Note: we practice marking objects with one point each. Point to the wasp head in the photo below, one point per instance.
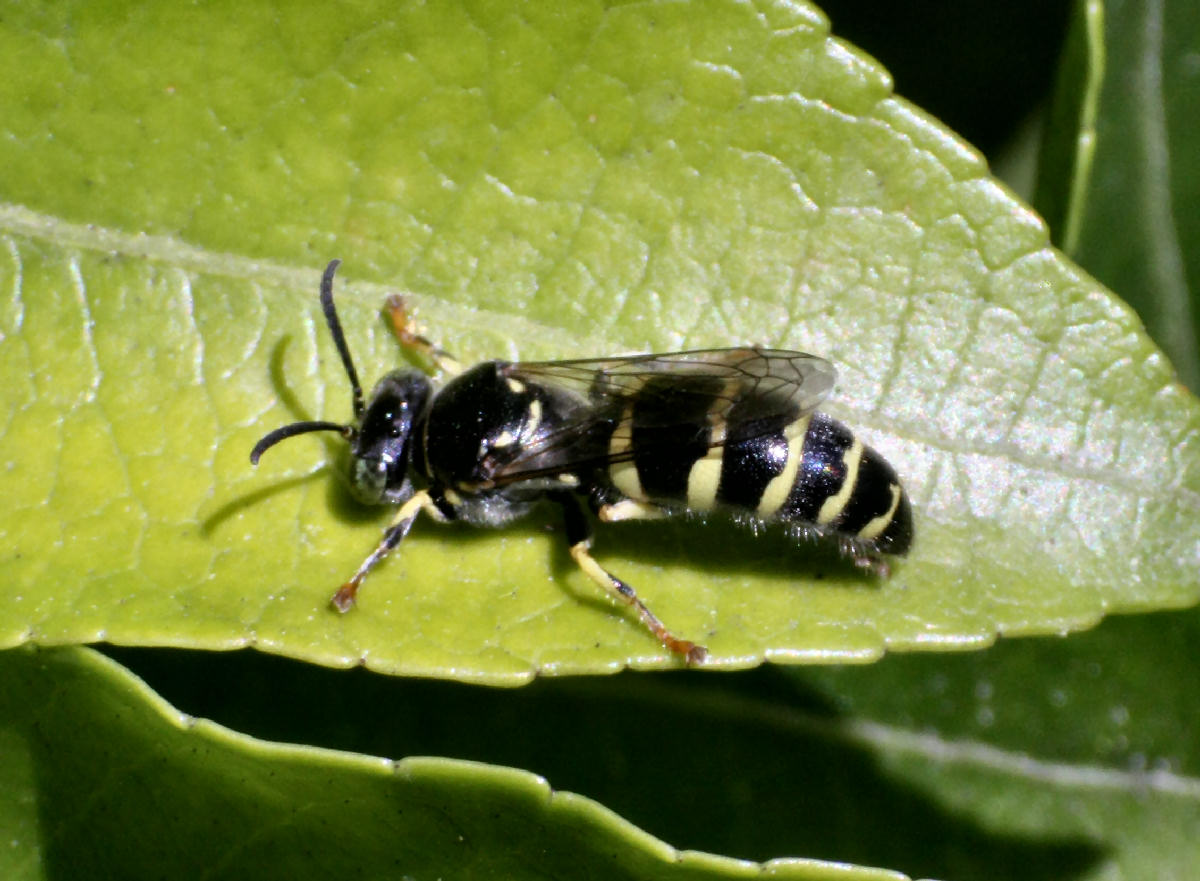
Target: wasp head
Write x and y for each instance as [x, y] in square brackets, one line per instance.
[382, 428]
[381, 445]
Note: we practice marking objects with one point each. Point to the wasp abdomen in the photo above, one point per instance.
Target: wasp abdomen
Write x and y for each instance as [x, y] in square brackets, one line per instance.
[798, 468]
[846, 486]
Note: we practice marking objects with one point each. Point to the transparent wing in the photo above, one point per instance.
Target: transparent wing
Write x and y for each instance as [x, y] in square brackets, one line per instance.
[789, 379]
[751, 387]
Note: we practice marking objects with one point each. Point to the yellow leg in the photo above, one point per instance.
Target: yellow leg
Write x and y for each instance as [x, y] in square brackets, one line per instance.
[406, 332]
[343, 599]
[630, 509]
[581, 553]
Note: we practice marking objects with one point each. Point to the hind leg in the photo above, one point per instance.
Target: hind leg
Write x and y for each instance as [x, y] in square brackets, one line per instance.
[579, 538]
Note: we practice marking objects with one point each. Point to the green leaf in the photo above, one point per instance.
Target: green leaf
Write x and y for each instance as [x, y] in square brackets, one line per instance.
[1120, 154]
[1039, 758]
[105, 780]
[757, 763]
[581, 181]
[1108, 716]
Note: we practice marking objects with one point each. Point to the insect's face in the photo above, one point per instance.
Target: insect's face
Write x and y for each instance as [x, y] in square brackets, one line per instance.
[382, 446]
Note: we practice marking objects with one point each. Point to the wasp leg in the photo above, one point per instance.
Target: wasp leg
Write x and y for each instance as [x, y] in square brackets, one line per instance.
[629, 509]
[343, 600]
[579, 537]
[406, 332]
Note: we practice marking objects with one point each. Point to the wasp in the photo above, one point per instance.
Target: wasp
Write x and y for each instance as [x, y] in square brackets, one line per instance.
[731, 431]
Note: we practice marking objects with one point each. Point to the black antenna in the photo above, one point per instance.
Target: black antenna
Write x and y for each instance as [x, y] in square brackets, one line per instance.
[339, 339]
[274, 437]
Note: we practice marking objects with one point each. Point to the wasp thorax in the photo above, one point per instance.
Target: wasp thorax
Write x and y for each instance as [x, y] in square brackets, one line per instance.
[476, 425]
[382, 446]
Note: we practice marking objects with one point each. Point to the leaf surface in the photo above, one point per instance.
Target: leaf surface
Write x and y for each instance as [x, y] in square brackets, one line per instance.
[103, 778]
[582, 181]
[101, 773]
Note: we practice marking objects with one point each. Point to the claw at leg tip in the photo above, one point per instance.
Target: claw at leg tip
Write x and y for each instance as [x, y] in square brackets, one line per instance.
[343, 600]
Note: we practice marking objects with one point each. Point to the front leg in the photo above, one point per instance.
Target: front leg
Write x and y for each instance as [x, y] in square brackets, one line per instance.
[343, 600]
[579, 539]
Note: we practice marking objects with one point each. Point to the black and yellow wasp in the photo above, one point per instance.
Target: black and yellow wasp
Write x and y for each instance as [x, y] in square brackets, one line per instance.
[715, 430]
